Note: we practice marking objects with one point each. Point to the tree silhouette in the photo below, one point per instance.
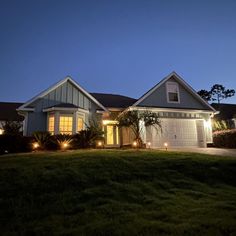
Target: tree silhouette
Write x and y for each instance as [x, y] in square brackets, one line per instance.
[206, 95]
[218, 92]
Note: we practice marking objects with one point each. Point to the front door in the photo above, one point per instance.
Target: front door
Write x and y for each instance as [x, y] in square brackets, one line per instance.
[111, 135]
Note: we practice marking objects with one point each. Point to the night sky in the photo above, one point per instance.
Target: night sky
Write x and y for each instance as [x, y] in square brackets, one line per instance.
[115, 46]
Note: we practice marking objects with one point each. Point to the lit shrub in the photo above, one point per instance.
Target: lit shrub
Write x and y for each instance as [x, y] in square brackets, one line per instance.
[225, 138]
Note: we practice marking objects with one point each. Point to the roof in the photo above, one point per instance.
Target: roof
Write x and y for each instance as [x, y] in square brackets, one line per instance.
[182, 82]
[114, 100]
[226, 111]
[26, 105]
[65, 105]
[8, 111]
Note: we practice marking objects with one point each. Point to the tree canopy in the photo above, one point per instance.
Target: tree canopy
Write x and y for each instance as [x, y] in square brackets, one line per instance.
[137, 120]
[217, 93]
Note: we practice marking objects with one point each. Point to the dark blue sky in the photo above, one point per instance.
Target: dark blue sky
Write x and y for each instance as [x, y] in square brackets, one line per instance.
[115, 46]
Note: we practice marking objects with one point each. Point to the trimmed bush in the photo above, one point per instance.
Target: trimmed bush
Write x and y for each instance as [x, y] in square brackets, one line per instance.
[225, 138]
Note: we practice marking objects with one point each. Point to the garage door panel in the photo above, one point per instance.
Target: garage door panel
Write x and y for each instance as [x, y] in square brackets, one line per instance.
[176, 132]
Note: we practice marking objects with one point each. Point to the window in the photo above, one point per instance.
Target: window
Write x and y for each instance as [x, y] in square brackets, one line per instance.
[172, 92]
[51, 120]
[80, 124]
[65, 125]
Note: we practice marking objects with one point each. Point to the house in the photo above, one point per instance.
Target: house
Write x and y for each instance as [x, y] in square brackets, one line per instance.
[8, 113]
[66, 108]
[226, 112]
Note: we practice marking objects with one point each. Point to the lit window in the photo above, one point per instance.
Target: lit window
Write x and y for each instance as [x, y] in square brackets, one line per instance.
[80, 124]
[172, 92]
[51, 120]
[65, 125]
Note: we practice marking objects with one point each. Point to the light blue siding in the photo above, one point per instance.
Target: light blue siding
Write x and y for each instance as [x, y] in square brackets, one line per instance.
[159, 99]
[66, 93]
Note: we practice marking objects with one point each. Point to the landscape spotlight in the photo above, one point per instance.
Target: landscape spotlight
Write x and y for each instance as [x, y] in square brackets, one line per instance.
[64, 145]
[166, 145]
[149, 144]
[135, 144]
[35, 145]
[99, 143]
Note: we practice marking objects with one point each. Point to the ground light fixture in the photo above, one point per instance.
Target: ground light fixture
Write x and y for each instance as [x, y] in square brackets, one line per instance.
[35, 145]
[166, 146]
[64, 145]
[135, 144]
[99, 143]
[149, 144]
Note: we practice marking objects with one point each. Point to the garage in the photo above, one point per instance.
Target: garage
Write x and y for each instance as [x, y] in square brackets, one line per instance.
[178, 133]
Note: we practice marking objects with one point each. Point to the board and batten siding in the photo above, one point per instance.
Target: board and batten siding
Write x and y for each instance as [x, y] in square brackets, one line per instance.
[65, 93]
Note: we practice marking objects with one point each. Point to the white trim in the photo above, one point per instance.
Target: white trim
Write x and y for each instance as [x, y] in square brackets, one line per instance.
[157, 109]
[182, 82]
[167, 93]
[45, 92]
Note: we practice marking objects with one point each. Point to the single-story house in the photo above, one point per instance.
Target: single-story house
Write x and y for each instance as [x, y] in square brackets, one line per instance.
[66, 108]
[8, 113]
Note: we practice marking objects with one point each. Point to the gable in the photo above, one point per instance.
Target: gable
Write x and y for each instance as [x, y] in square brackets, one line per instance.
[64, 92]
[158, 96]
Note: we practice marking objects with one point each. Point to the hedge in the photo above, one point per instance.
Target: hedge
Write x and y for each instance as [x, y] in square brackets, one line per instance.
[225, 138]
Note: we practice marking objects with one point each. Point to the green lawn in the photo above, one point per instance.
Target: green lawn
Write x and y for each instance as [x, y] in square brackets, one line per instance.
[117, 192]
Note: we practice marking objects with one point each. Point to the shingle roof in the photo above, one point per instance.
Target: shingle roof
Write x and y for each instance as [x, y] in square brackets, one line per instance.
[65, 105]
[8, 111]
[114, 100]
[227, 111]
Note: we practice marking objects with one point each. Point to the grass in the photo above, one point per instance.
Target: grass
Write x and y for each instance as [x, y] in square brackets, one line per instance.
[117, 192]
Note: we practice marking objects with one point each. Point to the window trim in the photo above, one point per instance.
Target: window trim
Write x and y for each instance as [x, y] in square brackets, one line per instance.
[167, 92]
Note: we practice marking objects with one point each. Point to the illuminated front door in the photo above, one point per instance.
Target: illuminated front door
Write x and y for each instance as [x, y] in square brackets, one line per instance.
[111, 134]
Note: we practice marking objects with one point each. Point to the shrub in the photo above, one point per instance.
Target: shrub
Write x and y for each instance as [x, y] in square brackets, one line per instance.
[87, 138]
[14, 143]
[12, 127]
[45, 140]
[225, 138]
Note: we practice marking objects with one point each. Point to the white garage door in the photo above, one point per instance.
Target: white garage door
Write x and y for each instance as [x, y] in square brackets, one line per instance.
[179, 133]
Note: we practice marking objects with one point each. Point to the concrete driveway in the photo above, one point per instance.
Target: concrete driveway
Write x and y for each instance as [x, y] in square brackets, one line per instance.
[210, 151]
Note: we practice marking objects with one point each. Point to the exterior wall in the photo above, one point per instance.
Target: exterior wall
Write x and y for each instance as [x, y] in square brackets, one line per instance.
[178, 129]
[66, 93]
[37, 121]
[159, 99]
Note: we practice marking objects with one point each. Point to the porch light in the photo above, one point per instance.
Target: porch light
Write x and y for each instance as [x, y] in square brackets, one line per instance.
[35, 145]
[149, 144]
[1, 131]
[105, 122]
[166, 145]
